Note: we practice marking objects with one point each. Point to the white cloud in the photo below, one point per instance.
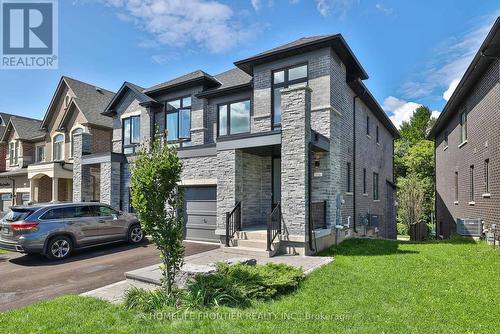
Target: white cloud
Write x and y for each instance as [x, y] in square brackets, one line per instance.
[209, 24]
[400, 110]
[450, 60]
[338, 7]
[256, 4]
[451, 88]
[386, 10]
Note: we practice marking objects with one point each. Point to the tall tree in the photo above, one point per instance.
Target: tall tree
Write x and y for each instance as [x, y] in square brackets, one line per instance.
[157, 199]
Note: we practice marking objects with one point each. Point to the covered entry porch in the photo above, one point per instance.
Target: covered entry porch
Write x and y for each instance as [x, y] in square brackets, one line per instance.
[51, 182]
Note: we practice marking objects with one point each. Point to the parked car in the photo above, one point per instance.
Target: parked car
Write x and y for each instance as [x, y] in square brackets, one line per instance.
[55, 230]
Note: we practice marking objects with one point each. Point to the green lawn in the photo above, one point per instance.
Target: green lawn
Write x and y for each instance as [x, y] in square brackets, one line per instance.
[373, 286]
[3, 251]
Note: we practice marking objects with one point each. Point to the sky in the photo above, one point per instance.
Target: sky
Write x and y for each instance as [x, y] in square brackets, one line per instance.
[414, 52]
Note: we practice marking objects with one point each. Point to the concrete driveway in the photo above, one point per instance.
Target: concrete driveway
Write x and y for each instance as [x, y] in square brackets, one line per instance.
[28, 279]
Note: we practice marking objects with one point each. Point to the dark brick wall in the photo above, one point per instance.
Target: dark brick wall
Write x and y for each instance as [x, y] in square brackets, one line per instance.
[483, 142]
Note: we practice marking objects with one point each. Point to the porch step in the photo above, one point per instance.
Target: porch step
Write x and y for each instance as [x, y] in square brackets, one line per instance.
[253, 243]
[247, 251]
[252, 235]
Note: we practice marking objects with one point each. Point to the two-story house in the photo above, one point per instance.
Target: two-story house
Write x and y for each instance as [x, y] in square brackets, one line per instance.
[40, 154]
[288, 151]
[467, 145]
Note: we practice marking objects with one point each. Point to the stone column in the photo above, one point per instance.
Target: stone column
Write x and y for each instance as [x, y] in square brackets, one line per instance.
[110, 184]
[229, 184]
[295, 139]
[55, 189]
[82, 145]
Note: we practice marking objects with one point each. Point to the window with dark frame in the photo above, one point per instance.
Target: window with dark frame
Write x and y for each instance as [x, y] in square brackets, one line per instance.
[487, 176]
[364, 181]
[294, 76]
[456, 187]
[463, 127]
[375, 186]
[131, 134]
[178, 121]
[471, 183]
[377, 134]
[233, 118]
[368, 125]
[348, 177]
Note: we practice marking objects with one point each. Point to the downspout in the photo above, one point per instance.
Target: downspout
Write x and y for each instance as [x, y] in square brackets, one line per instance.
[14, 197]
[435, 192]
[354, 163]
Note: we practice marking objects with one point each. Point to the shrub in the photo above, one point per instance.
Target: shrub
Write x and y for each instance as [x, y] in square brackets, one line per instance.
[402, 229]
[148, 300]
[236, 285]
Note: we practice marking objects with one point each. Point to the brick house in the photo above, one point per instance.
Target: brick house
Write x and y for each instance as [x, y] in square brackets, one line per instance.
[40, 154]
[468, 144]
[288, 151]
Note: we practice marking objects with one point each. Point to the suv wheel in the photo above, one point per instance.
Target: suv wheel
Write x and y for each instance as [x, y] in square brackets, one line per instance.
[59, 248]
[135, 234]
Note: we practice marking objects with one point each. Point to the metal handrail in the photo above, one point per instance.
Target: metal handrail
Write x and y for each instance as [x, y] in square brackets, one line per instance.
[274, 226]
[233, 223]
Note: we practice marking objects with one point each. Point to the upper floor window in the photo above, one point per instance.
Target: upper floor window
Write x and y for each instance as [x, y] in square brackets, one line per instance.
[234, 118]
[40, 153]
[178, 120]
[367, 125]
[14, 152]
[463, 127]
[58, 147]
[376, 135]
[131, 134]
[73, 133]
[290, 77]
[375, 186]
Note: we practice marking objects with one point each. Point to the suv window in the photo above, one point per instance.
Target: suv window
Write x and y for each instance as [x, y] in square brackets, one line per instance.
[59, 213]
[104, 211]
[17, 215]
[83, 212]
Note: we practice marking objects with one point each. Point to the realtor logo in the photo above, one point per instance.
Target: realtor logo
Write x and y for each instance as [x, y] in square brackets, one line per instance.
[29, 34]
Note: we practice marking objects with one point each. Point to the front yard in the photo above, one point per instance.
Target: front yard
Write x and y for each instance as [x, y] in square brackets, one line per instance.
[372, 286]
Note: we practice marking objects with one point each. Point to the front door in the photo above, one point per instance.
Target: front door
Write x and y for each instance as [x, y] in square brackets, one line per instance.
[276, 181]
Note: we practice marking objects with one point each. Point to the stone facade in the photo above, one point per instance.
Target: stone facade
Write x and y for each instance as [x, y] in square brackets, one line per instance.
[482, 103]
[81, 174]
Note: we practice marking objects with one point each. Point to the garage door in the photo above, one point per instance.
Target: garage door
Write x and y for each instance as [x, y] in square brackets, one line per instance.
[200, 208]
[5, 202]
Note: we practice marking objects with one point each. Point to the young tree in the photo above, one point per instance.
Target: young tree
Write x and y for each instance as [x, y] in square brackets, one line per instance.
[157, 199]
[411, 199]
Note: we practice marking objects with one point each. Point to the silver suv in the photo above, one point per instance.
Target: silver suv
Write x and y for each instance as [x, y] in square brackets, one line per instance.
[55, 230]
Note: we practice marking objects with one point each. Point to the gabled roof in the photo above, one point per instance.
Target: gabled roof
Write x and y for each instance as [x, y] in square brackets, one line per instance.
[364, 94]
[136, 90]
[305, 44]
[91, 101]
[28, 129]
[186, 79]
[5, 121]
[230, 80]
[487, 53]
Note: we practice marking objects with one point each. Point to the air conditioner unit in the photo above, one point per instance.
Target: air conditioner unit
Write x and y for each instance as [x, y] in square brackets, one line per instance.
[469, 227]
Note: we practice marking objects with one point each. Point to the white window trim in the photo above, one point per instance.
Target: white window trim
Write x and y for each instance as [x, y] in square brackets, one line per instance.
[16, 152]
[63, 144]
[37, 158]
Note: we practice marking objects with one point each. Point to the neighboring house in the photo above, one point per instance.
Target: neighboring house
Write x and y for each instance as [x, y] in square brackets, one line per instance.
[273, 135]
[468, 144]
[41, 153]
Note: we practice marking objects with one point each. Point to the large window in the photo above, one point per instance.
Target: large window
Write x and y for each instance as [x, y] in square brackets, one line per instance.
[234, 118]
[178, 120]
[131, 134]
[14, 153]
[73, 133]
[375, 186]
[295, 76]
[463, 127]
[58, 147]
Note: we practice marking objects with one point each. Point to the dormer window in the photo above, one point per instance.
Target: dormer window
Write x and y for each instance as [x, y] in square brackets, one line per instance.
[58, 147]
[14, 153]
[295, 76]
[66, 101]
